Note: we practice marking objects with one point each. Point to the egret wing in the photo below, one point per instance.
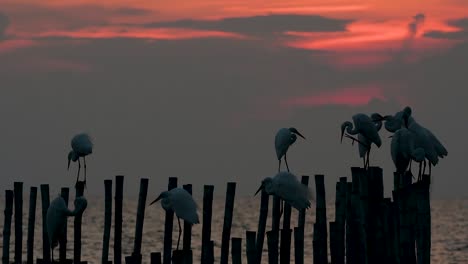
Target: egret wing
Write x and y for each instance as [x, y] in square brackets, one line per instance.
[291, 190]
[184, 206]
[282, 141]
[82, 144]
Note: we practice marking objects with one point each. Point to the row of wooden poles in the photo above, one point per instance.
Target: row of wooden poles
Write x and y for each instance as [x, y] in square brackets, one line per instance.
[367, 228]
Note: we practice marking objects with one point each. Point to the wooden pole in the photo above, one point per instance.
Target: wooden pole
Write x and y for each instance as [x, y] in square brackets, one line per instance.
[31, 224]
[168, 226]
[18, 191]
[333, 242]
[207, 214]
[65, 192]
[45, 238]
[275, 222]
[251, 249]
[285, 245]
[299, 241]
[210, 252]
[236, 250]
[388, 237]
[119, 181]
[187, 239]
[136, 255]
[299, 245]
[424, 220]
[320, 226]
[340, 219]
[375, 238]
[272, 238]
[7, 226]
[262, 219]
[78, 219]
[155, 257]
[228, 209]
[107, 220]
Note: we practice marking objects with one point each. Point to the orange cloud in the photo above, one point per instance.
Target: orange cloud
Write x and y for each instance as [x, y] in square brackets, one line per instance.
[14, 44]
[353, 96]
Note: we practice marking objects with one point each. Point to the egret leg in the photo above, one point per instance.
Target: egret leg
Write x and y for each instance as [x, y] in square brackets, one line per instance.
[286, 161]
[430, 168]
[180, 232]
[368, 153]
[279, 165]
[420, 169]
[364, 161]
[84, 159]
[78, 174]
[52, 255]
[424, 170]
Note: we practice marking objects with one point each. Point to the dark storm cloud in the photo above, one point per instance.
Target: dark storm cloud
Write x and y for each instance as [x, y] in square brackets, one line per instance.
[461, 35]
[266, 24]
[4, 22]
[131, 11]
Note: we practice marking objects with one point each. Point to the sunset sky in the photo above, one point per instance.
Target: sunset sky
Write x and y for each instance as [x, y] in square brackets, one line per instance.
[198, 89]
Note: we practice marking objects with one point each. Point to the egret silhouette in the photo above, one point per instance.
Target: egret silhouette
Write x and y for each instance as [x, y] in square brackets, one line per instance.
[403, 150]
[288, 188]
[284, 138]
[367, 130]
[57, 214]
[182, 204]
[425, 139]
[82, 146]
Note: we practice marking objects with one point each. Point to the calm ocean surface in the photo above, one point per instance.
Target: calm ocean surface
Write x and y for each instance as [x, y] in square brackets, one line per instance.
[449, 229]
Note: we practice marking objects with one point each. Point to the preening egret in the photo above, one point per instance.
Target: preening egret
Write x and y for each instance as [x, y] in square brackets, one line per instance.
[425, 139]
[288, 188]
[284, 138]
[367, 128]
[57, 214]
[182, 204]
[81, 147]
[403, 149]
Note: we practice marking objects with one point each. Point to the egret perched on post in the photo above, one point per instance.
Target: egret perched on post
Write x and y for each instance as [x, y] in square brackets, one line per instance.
[284, 138]
[182, 204]
[288, 188]
[403, 150]
[367, 128]
[81, 147]
[57, 214]
[425, 139]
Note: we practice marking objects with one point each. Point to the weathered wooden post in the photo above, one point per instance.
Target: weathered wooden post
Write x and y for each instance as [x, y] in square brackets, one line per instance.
[299, 245]
[250, 247]
[210, 252]
[45, 238]
[7, 226]
[236, 250]
[168, 225]
[320, 227]
[119, 181]
[136, 255]
[206, 228]
[187, 239]
[351, 237]
[333, 242]
[228, 209]
[107, 220]
[375, 239]
[276, 210]
[406, 243]
[364, 210]
[18, 192]
[299, 234]
[340, 218]
[78, 219]
[285, 242]
[31, 224]
[388, 235]
[64, 192]
[262, 219]
[272, 240]
[423, 223]
[155, 257]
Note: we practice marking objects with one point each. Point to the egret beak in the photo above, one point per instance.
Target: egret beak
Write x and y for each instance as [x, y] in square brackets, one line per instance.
[387, 117]
[68, 167]
[299, 134]
[342, 134]
[157, 199]
[390, 136]
[406, 121]
[260, 188]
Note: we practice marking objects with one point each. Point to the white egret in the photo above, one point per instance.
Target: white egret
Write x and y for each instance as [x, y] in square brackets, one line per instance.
[367, 128]
[425, 139]
[82, 146]
[182, 204]
[287, 187]
[284, 138]
[403, 150]
[57, 214]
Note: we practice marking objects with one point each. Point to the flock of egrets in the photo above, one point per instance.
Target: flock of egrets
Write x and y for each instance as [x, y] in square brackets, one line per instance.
[410, 142]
